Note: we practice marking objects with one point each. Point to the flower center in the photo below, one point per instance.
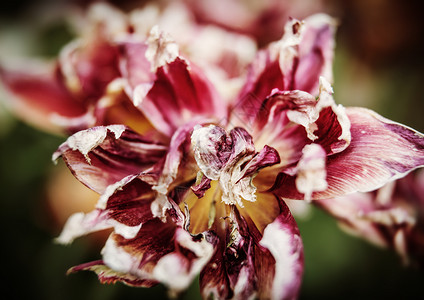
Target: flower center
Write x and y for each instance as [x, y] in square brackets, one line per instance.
[230, 159]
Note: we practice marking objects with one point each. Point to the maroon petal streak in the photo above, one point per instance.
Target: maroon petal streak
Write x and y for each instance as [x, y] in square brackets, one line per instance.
[185, 93]
[246, 266]
[124, 206]
[160, 252]
[380, 151]
[296, 62]
[101, 156]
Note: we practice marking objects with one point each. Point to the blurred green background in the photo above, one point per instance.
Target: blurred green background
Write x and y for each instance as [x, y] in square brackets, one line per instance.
[378, 65]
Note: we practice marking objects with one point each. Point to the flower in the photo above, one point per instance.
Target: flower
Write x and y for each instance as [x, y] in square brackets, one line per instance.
[92, 81]
[204, 189]
[390, 217]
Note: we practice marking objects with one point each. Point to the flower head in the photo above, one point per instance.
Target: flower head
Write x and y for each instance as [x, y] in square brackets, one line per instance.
[203, 190]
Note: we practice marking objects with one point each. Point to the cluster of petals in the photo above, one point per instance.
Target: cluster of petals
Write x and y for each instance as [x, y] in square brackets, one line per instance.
[192, 178]
[390, 217]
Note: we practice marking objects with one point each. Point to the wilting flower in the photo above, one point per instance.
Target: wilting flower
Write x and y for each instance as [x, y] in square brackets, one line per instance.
[88, 84]
[391, 216]
[99, 75]
[204, 189]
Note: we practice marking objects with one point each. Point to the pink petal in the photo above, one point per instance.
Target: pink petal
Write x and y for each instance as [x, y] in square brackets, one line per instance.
[311, 172]
[316, 52]
[101, 156]
[136, 69]
[380, 150]
[89, 67]
[389, 217]
[38, 96]
[185, 93]
[296, 62]
[290, 120]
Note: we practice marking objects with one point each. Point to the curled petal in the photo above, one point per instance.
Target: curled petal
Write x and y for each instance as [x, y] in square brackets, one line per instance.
[290, 120]
[136, 70]
[211, 149]
[158, 246]
[101, 156]
[311, 173]
[316, 51]
[124, 206]
[380, 151]
[109, 276]
[175, 157]
[389, 217]
[200, 188]
[81, 63]
[296, 62]
[159, 77]
[231, 159]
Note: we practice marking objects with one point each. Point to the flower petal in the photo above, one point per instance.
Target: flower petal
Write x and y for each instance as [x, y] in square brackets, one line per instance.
[282, 239]
[389, 217]
[316, 51]
[107, 275]
[178, 85]
[101, 156]
[38, 96]
[124, 206]
[245, 267]
[81, 62]
[157, 247]
[380, 151]
[311, 172]
[290, 120]
[296, 62]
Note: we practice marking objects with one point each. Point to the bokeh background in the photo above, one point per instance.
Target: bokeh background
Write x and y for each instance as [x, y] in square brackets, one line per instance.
[378, 64]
